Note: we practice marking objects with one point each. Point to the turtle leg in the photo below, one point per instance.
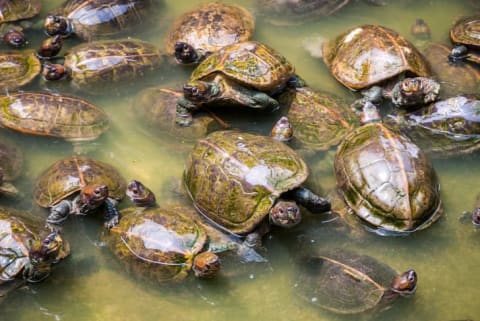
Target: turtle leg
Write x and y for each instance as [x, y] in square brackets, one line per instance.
[254, 99]
[111, 213]
[308, 199]
[58, 214]
[184, 112]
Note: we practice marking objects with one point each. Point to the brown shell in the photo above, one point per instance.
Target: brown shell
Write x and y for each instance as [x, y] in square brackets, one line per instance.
[47, 114]
[369, 54]
[13, 10]
[17, 69]
[11, 159]
[212, 26]
[68, 176]
[466, 31]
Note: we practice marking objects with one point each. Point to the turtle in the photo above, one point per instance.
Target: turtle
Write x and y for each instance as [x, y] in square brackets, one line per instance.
[385, 179]
[91, 19]
[26, 252]
[207, 28]
[472, 217]
[448, 127]
[95, 66]
[465, 36]
[18, 69]
[11, 166]
[49, 114]
[12, 20]
[245, 73]
[242, 181]
[79, 185]
[345, 282]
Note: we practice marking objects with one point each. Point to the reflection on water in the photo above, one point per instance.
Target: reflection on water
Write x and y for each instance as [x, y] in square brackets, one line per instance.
[91, 285]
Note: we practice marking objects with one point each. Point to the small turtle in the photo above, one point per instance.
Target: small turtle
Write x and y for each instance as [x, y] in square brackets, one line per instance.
[245, 74]
[345, 282]
[385, 179]
[79, 185]
[208, 28]
[465, 35]
[18, 69]
[242, 180]
[55, 115]
[11, 166]
[26, 254]
[89, 19]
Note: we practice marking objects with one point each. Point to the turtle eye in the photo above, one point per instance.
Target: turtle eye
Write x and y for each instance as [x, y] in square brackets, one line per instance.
[98, 191]
[281, 211]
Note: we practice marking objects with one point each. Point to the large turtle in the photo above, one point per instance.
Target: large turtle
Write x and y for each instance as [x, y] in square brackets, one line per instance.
[56, 115]
[385, 179]
[245, 73]
[95, 66]
[239, 180]
[345, 282]
[92, 18]
[18, 69]
[79, 185]
[465, 35]
[26, 253]
[207, 28]
[11, 165]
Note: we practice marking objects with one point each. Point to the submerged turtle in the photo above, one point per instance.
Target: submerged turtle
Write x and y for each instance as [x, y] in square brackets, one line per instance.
[92, 18]
[465, 34]
[208, 28]
[344, 282]
[445, 128]
[385, 179]
[18, 69]
[240, 180]
[245, 73]
[47, 114]
[26, 255]
[473, 216]
[11, 165]
[79, 185]
[95, 66]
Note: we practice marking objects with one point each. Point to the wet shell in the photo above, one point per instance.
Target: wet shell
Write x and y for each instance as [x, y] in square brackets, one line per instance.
[47, 114]
[466, 31]
[13, 10]
[18, 69]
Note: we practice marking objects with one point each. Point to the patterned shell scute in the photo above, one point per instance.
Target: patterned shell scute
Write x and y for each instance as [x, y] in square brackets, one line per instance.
[11, 160]
[467, 31]
[92, 18]
[342, 281]
[368, 55]
[13, 10]
[109, 62]
[47, 114]
[250, 63]
[64, 178]
[17, 69]
[235, 177]
[387, 180]
[157, 243]
[212, 26]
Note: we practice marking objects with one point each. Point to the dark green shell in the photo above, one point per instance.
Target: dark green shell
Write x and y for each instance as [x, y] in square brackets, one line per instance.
[18, 69]
[68, 176]
[157, 243]
[47, 114]
[13, 10]
[466, 31]
[234, 177]
[96, 65]
[369, 55]
[387, 180]
[344, 282]
[212, 26]
[249, 63]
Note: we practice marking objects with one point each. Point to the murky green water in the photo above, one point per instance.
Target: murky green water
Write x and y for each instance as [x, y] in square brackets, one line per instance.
[91, 285]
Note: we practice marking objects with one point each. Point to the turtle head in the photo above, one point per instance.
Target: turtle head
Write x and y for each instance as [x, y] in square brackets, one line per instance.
[54, 71]
[139, 194]
[285, 214]
[15, 38]
[405, 284]
[185, 53]
[415, 91]
[206, 265]
[50, 47]
[199, 91]
[476, 217]
[43, 254]
[458, 53]
[57, 25]
[92, 196]
[282, 130]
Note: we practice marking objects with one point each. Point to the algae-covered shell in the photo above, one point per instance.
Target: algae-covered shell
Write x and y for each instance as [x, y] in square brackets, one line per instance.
[13, 10]
[68, 176]
[56, 115]
[18, 69]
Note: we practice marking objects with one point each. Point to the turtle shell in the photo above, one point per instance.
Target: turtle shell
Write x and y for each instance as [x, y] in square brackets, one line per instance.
[211, 26]
[234, 178]
[68, 176]
[13, 10]
[370, 54]
[156, 243]
[98, 64]
[387, 180]
[18, 69]
[92, 18]
[466, 31]
[319, 120]
[250, 63]
[344, 282]
[47, 114]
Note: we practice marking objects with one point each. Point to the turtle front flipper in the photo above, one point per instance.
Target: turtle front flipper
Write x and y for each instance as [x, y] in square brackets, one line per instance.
[111, 213]
[311, 201]
[59, 213]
